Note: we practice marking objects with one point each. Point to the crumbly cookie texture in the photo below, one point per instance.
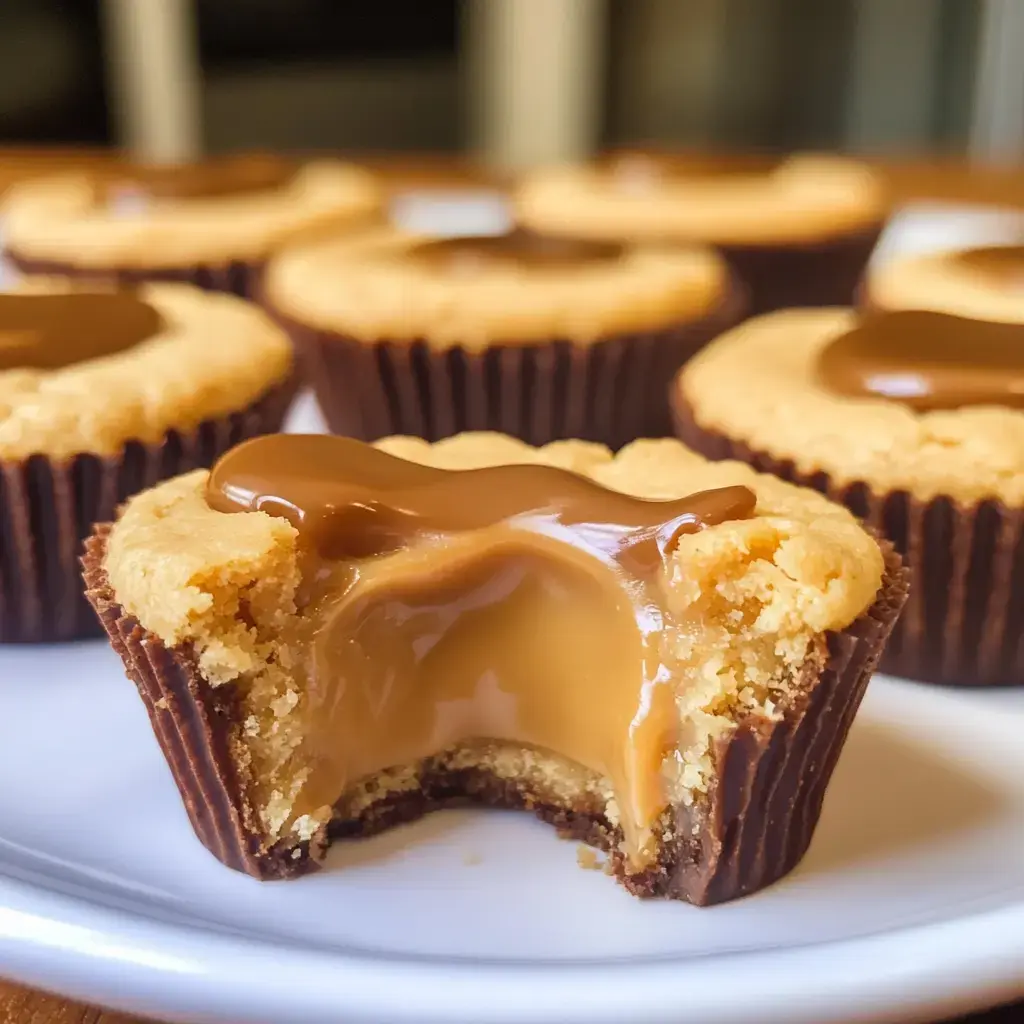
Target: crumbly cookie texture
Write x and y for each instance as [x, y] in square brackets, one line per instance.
[747, 602]
[59, 219]
[940, 281]
[216, 355]
[371, 288]
[758, 384]
[804, 200]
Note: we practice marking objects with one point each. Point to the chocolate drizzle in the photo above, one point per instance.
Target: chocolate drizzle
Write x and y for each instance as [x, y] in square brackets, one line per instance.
[928, 361]
[517, 248]
[51, 331]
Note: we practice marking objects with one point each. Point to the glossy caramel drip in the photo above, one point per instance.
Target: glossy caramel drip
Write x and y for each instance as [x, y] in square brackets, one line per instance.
[928, 361]
[516, 248]
[240, 174]
[50, 331]
[519, 604]
[1002, 264]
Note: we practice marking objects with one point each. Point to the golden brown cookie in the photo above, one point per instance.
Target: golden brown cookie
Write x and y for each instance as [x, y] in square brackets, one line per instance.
[212, 224]
[659, 654]
[539, 338]
[104, 393]
[797, 231]
[913, 419]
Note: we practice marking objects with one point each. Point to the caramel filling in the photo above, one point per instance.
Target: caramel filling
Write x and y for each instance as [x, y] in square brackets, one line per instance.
[240, 174]
[516, 603]
[1003, 265]
[47, 332]
[928, 361]
[515, 249]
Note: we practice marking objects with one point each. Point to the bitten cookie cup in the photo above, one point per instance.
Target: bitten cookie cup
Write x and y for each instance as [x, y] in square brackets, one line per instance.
[77, 439]
[945, 486]
[535, 338]
[796, 232]
[211, 225]
[774, 624]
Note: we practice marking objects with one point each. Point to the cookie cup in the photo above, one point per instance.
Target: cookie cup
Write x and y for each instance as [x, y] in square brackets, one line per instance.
[68, 226]
[796, 232]
[754, 788]
[946, 488]
[76, 442]
[396, 345]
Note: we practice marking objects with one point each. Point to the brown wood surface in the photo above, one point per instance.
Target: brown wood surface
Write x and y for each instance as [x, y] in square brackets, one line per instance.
[942, 178]
[910, 178]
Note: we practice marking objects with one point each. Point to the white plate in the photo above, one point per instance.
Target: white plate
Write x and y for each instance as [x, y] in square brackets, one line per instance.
[909, 904]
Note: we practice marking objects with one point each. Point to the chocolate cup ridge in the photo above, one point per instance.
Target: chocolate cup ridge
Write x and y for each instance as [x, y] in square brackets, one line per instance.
[48, 507]
[964, 620]
[234, 278]
[753, 828]
[612, 391]
[825, 273]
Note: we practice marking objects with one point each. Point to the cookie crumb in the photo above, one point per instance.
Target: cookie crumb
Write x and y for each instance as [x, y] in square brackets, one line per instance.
[588, 859]
[471, 859]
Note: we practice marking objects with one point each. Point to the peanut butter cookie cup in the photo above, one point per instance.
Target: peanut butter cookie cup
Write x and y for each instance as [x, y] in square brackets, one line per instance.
[660, 655]
[103, 394]
[212, 224]
[914, 420]
[797, 231]
[534, 337]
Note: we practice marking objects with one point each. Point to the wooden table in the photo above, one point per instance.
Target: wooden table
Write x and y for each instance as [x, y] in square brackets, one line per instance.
[936, 179]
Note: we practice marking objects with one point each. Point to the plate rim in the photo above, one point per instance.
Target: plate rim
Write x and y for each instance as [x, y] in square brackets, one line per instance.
[136, 963]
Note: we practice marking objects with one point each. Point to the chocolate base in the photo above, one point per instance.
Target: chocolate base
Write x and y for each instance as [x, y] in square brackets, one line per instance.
[48, 507]
[825, 273]
[754, 826]
[612, 391]
[964, 620]
[235, 278]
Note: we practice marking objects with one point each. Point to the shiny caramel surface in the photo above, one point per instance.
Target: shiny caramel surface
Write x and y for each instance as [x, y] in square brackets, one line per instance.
[54, 330]
[519, 603]
[928, 361]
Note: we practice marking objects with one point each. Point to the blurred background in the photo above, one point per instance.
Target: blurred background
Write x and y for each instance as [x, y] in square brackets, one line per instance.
[515, 81]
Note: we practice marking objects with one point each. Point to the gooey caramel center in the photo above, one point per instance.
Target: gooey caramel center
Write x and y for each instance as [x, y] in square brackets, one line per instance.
[520, 604]
[928, 361]
[48, 332]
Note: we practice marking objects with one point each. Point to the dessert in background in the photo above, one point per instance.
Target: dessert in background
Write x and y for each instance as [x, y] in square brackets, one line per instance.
[914, 420]
[660, 655]
[102, 394]
[986, 283]
[797, 231]
[211, 224]
[539, 338]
